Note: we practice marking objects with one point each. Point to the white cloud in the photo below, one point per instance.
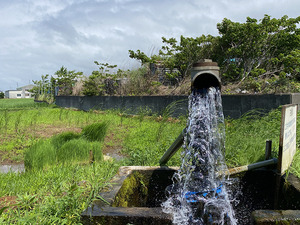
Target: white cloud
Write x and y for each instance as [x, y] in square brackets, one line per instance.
[39, 36]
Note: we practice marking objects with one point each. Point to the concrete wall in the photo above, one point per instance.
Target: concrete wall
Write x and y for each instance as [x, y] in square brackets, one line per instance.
[128, 104]
[237, 105]
[234, 106]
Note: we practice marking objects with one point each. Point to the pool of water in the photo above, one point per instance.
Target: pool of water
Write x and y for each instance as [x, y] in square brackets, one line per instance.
[18, 168]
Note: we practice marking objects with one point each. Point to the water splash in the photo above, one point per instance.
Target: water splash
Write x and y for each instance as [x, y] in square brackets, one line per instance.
[199, 193]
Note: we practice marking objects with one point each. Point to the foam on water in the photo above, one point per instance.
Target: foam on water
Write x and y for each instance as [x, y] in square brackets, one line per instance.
[199, 193]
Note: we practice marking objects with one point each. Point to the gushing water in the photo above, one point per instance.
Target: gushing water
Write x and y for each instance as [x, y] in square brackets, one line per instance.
[199, 193]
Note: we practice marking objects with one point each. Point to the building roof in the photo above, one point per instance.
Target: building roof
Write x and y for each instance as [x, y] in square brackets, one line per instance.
[29, 86]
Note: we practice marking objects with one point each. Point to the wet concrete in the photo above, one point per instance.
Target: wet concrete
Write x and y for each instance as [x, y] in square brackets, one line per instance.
[276, 217]
[136, 193]
[17, 168]
[139, 210]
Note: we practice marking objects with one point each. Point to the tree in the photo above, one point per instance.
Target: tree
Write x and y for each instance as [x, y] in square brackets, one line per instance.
[140, 56]
[179, 55]
[255, 46]
[65, 80]
[101, 81]
[256, 49]
[184, 54]
[1, 94]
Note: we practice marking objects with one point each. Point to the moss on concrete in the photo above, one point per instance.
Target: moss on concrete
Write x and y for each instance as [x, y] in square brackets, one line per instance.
[134, 191]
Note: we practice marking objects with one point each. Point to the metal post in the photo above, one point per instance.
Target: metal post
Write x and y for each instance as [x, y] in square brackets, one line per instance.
[268, 149]
[253, 166]
[173, 149]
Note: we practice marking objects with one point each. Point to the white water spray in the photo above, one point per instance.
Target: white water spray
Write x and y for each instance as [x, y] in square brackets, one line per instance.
[199, 193]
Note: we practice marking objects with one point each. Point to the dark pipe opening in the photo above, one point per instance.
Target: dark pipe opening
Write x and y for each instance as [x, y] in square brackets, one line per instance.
[206, 80]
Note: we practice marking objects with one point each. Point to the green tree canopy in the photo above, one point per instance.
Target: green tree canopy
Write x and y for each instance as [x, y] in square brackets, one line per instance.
[255, 45]
[66, 79]
[255, 48]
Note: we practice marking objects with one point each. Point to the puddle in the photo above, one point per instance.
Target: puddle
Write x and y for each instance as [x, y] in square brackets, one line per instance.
[17, 168]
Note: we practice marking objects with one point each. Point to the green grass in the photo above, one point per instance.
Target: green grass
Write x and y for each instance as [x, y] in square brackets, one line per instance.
[246, 137]
[62, 187]
[20, 103]
[95, 131]
[67, 147]
[58, 140]
[54, 196]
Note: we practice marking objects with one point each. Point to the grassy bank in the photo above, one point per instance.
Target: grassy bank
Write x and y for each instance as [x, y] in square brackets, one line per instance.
[57, 192]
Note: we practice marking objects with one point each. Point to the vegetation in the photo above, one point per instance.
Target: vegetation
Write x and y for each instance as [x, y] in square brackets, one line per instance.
[54, 196]
[61, 179]
[63, 148]
[61, 82]
[246, 137]
[261, 56]
[258, 56]
[1, 95]
[67, 147]
[21, 103]
[101, 81]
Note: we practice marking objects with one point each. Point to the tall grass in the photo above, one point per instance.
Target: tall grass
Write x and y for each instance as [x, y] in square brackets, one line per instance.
[143, 146]
[246, 137]
[39, 155]
[57, 195]
[67, 147]
[95, 131]
[79, 150]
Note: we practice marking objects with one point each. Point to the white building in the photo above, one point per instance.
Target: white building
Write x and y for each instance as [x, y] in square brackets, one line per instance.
[21, 92]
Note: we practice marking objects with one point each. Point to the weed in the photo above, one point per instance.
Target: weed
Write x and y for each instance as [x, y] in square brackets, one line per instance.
[26, 201]
[95, 131]
[78, 150]
[57, 195]
[6, 120]
[18, 121]
[246, 137]
[58, 140]
[39, 155]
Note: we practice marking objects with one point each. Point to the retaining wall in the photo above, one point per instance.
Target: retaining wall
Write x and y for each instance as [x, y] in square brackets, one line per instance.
[234, 106]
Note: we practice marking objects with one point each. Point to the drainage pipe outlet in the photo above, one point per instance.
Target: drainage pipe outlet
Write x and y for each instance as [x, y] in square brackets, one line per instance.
[205, 74]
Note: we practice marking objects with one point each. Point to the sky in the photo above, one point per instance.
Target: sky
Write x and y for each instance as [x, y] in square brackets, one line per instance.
[38, 37]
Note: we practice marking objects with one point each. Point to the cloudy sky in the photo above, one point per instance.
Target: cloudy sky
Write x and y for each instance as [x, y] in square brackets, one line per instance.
[37, 37]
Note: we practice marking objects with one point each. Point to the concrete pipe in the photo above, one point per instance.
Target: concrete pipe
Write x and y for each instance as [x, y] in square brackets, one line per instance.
[205, 74]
